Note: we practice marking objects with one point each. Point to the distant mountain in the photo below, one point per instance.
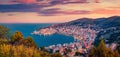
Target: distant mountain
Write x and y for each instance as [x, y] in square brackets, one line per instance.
[109, 28]
[101, 22]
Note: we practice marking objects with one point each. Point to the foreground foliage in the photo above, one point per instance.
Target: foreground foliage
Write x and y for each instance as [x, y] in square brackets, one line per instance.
[18, 46]
[23, 51]
[4, 31]
[18, 51]
[103, 51]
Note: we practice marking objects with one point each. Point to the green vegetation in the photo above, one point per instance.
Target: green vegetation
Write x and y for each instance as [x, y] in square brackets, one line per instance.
[56, 55]
[29, 42]
[18, 46]
[102, 51]
[17, 36]
[18, 39]
[18, 51]
[4, 31]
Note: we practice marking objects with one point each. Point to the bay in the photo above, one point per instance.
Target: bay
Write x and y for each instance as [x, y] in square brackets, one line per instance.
[40, 40]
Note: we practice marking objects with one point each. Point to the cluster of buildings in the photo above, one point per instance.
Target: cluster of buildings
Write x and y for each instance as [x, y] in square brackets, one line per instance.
[84, 37]
[77, 32]
[45, 31]
[68, 49]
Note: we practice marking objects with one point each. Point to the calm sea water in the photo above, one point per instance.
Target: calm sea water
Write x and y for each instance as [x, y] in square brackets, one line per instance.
[40, 40]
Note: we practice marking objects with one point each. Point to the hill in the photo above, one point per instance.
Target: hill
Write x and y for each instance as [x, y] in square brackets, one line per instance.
[88, 29]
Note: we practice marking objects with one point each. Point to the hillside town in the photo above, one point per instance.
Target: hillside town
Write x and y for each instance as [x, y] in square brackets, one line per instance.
[83, 39]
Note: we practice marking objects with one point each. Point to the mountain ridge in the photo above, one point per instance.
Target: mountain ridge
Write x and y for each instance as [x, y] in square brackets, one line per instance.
[95, 29]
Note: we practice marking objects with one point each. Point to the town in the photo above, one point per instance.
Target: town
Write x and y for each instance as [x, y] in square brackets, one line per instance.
[83, 39]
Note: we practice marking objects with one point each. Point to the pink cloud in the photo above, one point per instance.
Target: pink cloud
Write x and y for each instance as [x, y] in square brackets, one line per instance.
[106, 11]
[57, 11]
[53, 2]
[25, 1]
[76, 12]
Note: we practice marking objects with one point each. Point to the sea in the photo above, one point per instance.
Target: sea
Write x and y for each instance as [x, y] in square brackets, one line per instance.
[40, 40]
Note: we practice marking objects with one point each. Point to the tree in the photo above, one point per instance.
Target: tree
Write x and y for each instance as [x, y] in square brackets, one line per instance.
[102, 50]
[44, 54]
[42, 48]
[118, 48]
[110, 53]
[17, 37]
[56, 55]
[92, 52]
[8, 50]
[116, 53]
[79, 54]
[29, 42]
[4, 31]
[4, 41]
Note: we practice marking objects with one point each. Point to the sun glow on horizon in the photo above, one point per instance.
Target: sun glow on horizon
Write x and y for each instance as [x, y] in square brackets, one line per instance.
[56, 11]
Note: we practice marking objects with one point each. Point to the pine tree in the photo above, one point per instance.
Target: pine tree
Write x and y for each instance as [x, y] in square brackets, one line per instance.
[110, 52]
[17, 37]
[116, 54]
[56, 55]
[4, 31]
[102, 50]
[29, 42]
[92, 52]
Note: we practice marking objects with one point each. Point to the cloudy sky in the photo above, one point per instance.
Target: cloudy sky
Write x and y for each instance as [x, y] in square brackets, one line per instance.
[55, 11]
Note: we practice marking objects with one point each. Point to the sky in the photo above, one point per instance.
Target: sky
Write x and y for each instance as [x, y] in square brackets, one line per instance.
[55, 11]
